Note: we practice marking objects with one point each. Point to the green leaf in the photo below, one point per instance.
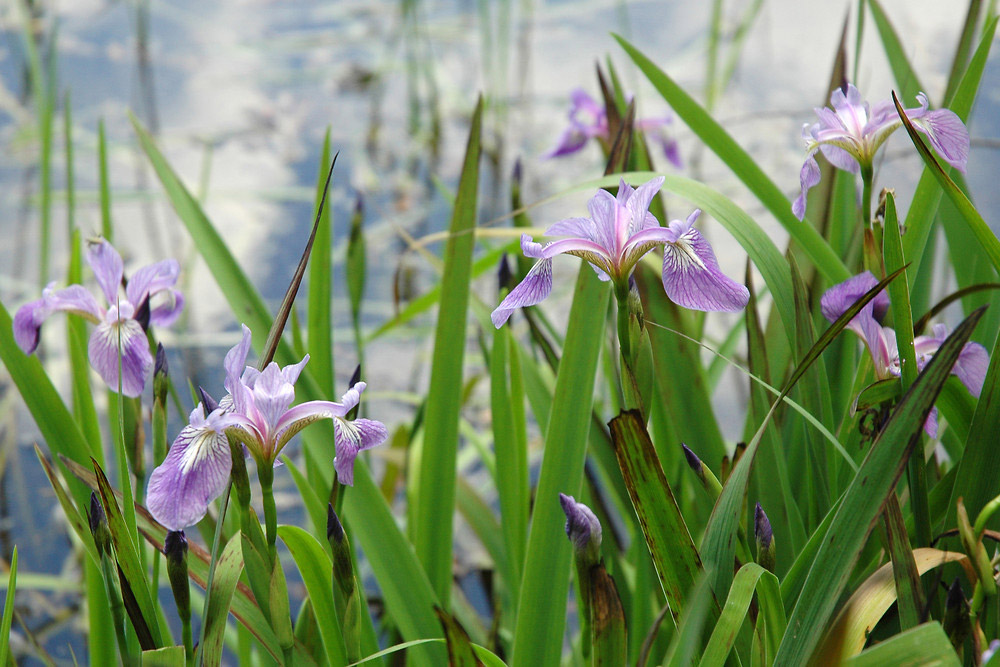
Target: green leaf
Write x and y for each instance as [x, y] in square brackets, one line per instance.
[905, 75]
[926, 644]
[316, 569]
[228, 567]
[608, 621]
[168, 656]
[867, 493]
[487, 656]
[460, 653]
[541, 605]
[320, 321]
[670, 545]
[436, 476]
[927, 196]
[8, 609]
[743, 165]
[132, 571]
[751, 577]
[510, 445]
[979, 467]
[718, 545]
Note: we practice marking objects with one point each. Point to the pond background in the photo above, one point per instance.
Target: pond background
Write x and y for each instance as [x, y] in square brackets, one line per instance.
[240, 93]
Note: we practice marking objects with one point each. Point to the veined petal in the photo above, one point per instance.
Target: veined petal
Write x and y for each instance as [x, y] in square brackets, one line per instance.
[122, 337]
[691, 276]
[947, 134]
[297, 418]
[808, 177]
[352, 437]
[602, 207]
[638, 203]
[193, 474]
[840, 158]
[533, 289]
[272, 394]
[29, 318]
[152, 279]
[107, 266]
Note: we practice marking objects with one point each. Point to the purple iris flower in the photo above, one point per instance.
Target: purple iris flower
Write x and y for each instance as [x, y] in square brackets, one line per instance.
[118, 333]
[589, 120]
[881, 341]
[258, 413]
[851, 133]
[619, 231]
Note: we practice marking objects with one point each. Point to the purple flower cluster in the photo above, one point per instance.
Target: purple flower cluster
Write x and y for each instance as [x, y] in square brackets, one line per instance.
[881, 341]
[120, 336]
[258, 413]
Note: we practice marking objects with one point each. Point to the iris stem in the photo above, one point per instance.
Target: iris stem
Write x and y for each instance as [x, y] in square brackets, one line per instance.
[266, 475]
[867, 176]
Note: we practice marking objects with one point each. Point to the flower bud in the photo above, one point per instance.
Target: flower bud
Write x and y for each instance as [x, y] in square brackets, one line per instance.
[99, 526]
[693, 461]
[343, 568]
[504, 275]
[582, 528]
[209, 403]
[160, 374]
[175, 548]
[764, 537]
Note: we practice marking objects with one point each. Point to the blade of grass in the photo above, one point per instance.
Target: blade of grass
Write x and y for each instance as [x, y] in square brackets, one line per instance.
[316, 569]
[8, 609]
[985, 236]
[320, 322]
[718, 545]
[750, 579]
[436, 476]
[924, 645]
[542, 603]
[228, 567]
[667, 537]
[875, 480]
[927, 196]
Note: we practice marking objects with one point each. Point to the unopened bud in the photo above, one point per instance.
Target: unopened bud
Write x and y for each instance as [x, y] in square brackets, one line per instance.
[343, 568]
[142, 314]
[160, 374]
[504, 276]
[334, 529]
[582, 528]
[764, 537]
[175, 548]
[209, 403]
[99, 526]
[693, 461]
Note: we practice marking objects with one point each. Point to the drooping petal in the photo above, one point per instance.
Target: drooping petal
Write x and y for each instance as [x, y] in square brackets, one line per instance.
[881, 344]
[107, 266]
[840, 158]
[948, 135]
[121, 337]
[297, 418]
[692, 278]
[836, 300]
[165, 307]
[29, 318]
[194, 473]
[533, 289]
[808, 177]
[353, 437]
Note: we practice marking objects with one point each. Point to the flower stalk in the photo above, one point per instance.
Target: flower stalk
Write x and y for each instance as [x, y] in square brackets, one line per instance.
[175, 549]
